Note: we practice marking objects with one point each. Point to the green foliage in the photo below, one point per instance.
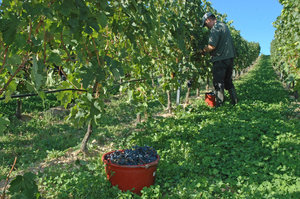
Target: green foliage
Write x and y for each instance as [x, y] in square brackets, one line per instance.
[101, 44]
[285, 47]
[4, 122]
[250, 150]
[37, 75]
[24, 187]
[87, 108]
[81, 180]
[35, 140]
[105, 43]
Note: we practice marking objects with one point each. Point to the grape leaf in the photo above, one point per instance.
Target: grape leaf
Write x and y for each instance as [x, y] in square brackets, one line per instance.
[24, 186]
[36, 73]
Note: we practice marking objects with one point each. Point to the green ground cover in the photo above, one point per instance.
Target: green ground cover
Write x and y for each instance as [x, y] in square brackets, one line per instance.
[251, 150]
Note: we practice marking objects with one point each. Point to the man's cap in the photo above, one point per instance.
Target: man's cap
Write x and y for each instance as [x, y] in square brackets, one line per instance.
[206, 16]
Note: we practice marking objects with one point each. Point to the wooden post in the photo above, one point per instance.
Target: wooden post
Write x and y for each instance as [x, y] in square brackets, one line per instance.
[207, 82]
[169, 108]
[138, 118]
[19, 109]
[178, 96]
[187, 96]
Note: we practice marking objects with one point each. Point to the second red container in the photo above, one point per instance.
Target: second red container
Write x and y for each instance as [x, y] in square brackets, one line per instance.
[210, 99]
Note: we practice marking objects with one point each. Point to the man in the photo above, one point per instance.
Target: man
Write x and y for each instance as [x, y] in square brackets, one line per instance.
[220, 46]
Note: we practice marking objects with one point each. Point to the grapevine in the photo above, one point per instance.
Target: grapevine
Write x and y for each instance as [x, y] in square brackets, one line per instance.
[98, 44]
[285, 47]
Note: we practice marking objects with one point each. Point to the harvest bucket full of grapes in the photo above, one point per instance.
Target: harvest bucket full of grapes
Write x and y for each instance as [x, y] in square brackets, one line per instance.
[131, 169]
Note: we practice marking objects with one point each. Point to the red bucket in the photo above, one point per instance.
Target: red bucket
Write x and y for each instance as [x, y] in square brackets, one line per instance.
[210, 99]
[130, 177]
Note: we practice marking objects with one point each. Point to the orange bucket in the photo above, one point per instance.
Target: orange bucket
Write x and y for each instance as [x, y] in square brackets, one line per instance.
[130, 177]
[210, 99]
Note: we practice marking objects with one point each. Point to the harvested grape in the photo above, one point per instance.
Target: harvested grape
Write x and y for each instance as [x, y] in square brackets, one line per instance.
[136, 156]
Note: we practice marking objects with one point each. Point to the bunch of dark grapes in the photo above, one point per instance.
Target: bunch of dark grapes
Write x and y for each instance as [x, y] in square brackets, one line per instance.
[210, 93]
[136, 156]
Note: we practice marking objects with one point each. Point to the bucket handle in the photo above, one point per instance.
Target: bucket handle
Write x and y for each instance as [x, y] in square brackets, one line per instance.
[147, 166]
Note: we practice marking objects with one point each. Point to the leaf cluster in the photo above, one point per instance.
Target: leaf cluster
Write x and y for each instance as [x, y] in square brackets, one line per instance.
[285, 47]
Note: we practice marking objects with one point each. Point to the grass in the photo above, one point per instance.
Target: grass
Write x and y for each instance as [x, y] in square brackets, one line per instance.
[250, 150]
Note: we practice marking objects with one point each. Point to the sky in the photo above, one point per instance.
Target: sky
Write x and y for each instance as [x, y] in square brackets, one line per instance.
[253, 18]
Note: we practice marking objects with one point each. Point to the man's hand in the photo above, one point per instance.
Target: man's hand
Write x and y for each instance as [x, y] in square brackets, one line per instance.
[208, 48]
[202, 52]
